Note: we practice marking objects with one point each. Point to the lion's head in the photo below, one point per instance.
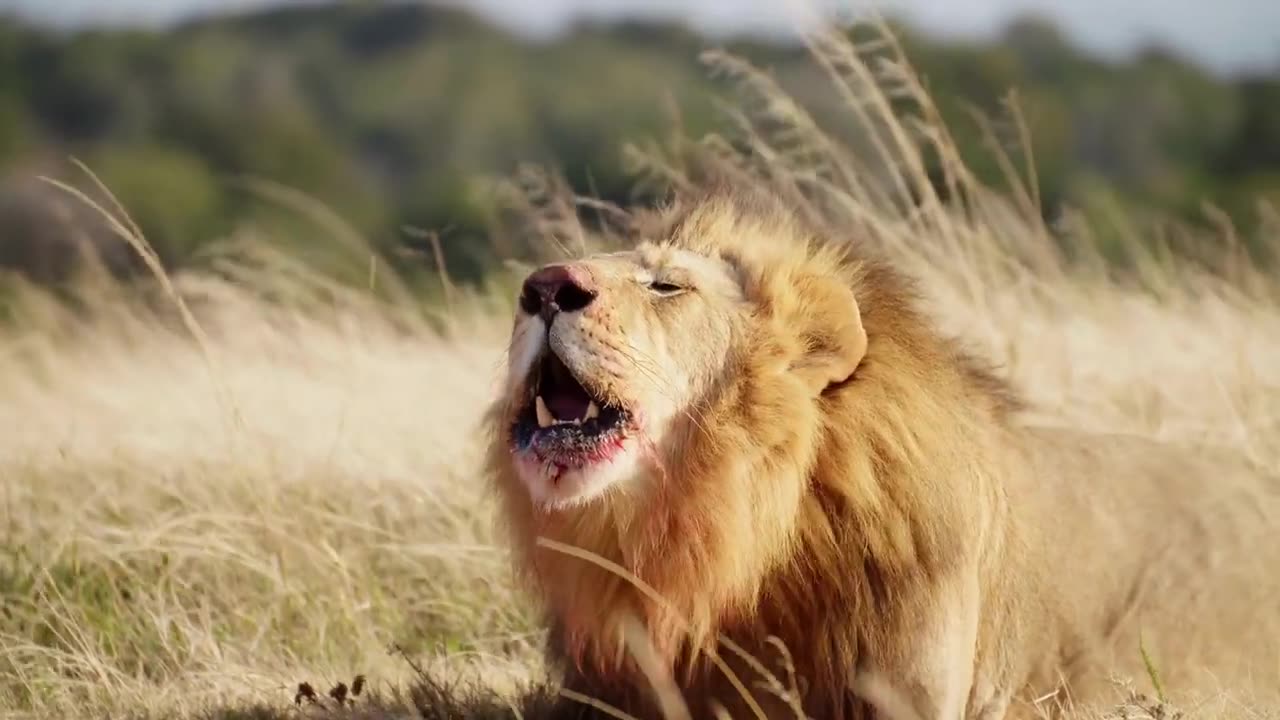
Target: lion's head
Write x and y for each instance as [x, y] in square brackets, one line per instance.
[618, 361]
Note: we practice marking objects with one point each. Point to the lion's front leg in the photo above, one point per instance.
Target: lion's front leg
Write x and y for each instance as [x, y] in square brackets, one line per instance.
[927, 672]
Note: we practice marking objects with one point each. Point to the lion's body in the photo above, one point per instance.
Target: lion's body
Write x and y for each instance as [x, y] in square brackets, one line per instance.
[900, 524]
[1137, 546]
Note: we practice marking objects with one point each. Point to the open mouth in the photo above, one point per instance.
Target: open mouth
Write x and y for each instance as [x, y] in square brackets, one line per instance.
[563, 422]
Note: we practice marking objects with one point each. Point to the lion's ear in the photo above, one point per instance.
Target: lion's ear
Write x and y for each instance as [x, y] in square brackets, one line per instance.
[831, 333]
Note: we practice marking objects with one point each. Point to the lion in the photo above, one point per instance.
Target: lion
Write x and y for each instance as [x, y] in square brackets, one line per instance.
[740, 466]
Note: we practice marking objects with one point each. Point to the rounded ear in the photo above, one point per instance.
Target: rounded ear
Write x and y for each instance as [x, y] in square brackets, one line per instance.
[830, 328]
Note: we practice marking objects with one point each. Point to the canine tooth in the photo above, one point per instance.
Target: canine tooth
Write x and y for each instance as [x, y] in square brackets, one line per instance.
[593, 410]
[544, 415]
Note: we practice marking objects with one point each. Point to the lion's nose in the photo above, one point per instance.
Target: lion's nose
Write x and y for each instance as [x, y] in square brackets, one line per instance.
[556, 288]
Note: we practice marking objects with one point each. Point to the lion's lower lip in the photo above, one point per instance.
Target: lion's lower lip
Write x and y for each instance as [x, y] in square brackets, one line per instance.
[571, 443]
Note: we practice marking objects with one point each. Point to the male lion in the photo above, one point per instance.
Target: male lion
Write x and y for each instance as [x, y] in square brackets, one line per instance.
[760, 436]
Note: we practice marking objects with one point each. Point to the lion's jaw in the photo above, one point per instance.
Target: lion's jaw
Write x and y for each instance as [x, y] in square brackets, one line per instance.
[596, 385]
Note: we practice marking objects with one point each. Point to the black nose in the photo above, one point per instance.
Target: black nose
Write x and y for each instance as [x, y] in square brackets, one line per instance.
[556, 288]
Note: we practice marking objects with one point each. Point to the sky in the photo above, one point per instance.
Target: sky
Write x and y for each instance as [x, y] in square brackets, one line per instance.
[1225, 35]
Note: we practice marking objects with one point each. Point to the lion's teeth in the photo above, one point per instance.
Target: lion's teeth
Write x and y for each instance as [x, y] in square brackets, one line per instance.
[592, 410]
[544, 415]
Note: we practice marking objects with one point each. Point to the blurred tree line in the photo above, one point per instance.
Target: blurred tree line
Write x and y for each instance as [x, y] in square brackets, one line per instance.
[386, 114]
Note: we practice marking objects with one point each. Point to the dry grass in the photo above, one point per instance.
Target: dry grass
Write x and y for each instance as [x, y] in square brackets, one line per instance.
[193, 522]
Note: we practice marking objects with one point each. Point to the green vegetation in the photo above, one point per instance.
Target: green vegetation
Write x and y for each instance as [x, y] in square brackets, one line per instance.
[389, 115]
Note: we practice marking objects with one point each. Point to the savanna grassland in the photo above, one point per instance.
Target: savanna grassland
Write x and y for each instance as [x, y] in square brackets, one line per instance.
[231, 480]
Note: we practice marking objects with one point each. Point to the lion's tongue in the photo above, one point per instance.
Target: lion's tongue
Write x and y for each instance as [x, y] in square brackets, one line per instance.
[564, 396]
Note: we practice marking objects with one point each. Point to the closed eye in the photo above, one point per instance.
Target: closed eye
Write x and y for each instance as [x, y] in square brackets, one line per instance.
[666, 288]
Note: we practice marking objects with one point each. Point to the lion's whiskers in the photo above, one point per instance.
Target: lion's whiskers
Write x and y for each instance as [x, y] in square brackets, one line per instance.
[684, 408]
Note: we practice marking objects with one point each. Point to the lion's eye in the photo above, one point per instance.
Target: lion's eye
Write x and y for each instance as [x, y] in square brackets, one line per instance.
[665, 288]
